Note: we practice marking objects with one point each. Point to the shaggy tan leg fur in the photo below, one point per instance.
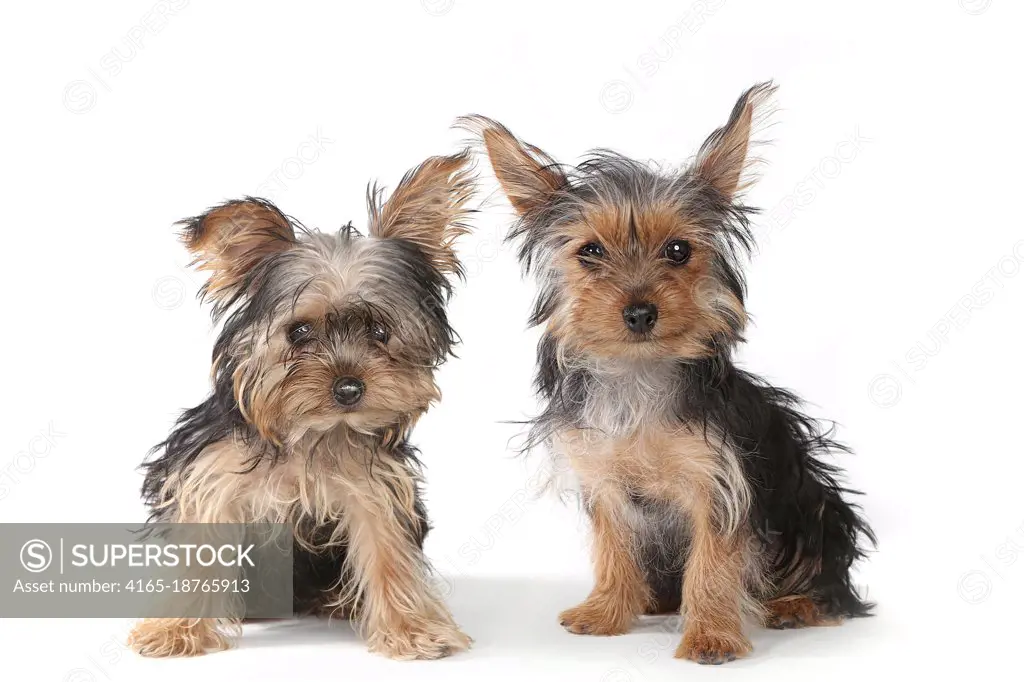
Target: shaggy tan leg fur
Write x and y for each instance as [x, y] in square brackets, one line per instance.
[160, 637]
[620, 592]
[713, 595]
[399, 613]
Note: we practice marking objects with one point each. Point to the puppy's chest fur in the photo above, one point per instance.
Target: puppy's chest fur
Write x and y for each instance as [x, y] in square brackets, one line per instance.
[315, 482]
[651, 463]
[625, 431]
[626, 440]
[621, 397]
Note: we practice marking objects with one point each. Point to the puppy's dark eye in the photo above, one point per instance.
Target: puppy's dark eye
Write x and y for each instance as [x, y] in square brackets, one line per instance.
[379, 332]
[300, 332]
[591, 251]
[678, 251]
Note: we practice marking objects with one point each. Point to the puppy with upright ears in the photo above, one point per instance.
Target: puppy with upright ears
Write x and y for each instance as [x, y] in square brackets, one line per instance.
[325, 361]
[707, 488]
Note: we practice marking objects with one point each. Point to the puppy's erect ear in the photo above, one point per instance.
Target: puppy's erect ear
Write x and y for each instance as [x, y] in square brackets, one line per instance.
[230, 239]
[724, 156]
[527, 174]
[427, 208]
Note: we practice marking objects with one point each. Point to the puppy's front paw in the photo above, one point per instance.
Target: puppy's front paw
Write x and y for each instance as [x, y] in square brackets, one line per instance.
[708, 647]
[596, 617]
[164, 637]
[421, 639]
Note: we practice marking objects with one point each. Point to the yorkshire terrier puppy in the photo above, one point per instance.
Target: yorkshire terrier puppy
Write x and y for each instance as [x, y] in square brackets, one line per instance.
[707, 488]
[324, 362]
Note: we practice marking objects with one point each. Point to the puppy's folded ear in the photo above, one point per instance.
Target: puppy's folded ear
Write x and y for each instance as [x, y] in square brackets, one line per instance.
[527, 174]
[724, 158]
[427, 208]
[230, 239]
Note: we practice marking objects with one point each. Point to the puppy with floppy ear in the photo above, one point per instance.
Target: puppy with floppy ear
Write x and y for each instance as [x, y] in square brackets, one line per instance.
[324, 362]
[707, 488]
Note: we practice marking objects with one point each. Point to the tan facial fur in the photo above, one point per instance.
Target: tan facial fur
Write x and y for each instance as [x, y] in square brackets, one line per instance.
[286, 391]
[688, 298]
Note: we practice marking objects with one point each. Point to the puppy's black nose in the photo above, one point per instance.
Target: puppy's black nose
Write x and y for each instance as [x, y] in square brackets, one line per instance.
[640, 317]
[348, 390]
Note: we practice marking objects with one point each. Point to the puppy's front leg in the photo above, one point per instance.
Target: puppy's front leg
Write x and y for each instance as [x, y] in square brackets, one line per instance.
[620, 590]
[713, 594]
[209, 494]
[399, 613]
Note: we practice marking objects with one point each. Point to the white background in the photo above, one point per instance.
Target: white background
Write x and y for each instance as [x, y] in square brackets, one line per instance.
[887, 289]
